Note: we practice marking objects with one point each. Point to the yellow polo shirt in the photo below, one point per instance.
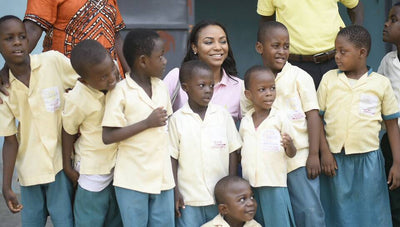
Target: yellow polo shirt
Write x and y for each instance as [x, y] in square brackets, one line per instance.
[353, 114]
[143, 161]
[264, 161]
[38, 110]
[312, 24]
[83, 112]
[219, 221]
[295, 95]
[202, 148]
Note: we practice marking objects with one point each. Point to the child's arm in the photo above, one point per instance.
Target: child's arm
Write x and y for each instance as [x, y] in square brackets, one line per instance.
[328, 162]
[115, 134]
[394, 139]
[313, 129]
[287, 143]
[10, 150]
[233, 163]
[177, 194]
[67, 150]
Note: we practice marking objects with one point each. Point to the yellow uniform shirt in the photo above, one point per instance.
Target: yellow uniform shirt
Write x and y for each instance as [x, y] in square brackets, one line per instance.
[219, 221]
[143, 161]
[38, 110]
[353, 114]
[264, 161]
[312, 24]
[83, 112]
[295, 95]
[202, 148]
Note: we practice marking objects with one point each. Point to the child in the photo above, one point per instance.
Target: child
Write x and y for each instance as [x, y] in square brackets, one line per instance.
[236, 204]
[266, 148]
[353, 101]
[204, 141]
[296, 97]
[390, 67]
[95, 203]
[37, 84]
[136, 115]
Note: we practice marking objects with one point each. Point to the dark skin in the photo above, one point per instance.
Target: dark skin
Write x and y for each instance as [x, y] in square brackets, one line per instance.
[67, 151]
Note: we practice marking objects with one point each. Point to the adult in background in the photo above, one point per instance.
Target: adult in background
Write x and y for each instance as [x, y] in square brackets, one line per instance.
[209, 42]
[313, 26]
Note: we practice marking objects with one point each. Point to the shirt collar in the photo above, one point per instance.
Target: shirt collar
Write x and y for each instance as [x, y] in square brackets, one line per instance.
[96, 93]
[283, 71]
[187, 110]
[35, 64]
[370, 70]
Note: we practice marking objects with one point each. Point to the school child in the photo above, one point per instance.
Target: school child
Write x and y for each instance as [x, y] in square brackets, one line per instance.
[353, 101]
[37, 84]
[136, 115]
[95, 203]
[296, 97]
[266, 149]
[390, 67]
[236, 204]
[204, 141]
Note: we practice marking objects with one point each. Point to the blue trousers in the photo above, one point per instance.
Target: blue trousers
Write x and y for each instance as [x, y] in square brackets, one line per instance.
[196, 216]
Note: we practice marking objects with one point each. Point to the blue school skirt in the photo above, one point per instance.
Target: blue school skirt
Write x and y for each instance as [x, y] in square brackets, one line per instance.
[358, 194]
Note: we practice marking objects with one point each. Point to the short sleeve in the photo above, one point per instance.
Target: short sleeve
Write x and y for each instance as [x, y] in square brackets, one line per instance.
[7, 123]
[306, 90]
[72, 116]
[67, 73]
[321, 95]
[287, 126]
[390, 109]
[265, 7]
[114, 111]
[42, 12]
[234, 140]
[173, 137]
[119, 22]
[349, 3]
[245, 103]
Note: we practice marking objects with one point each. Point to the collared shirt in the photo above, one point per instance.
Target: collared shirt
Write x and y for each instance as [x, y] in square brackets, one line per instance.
[202, 148]
[307, 22]
[143, 161]
[83, 112]
[38, 110]
[219, 221]
[296, 95]
[264, 160]
[353, 114]
[228, 93]
[390, 67]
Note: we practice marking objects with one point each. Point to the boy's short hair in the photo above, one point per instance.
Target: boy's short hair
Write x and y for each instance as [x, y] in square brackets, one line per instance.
[251, 71]
[265, 27]
[357, 35]
[189, 68]
[139, 42]
[224, 184]
[9, 17]
[86, 54]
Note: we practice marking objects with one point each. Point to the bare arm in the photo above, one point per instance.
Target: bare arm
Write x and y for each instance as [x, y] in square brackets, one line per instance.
[394, 139]
[67, 151]
[118, 47]
[356, 14]
[33, 32]
[10, 150]
[328, 162]
[313, 129]
[267, 18]
[114, 134]
[233, 163]
[287, 143]
[179, 203]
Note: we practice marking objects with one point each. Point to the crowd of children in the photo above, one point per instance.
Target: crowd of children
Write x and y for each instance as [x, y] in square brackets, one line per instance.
[112, 153]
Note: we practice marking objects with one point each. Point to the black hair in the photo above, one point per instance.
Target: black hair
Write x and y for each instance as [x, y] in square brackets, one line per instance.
[86, 54]
[265, 28]
[396, 4]
[229, 65]
[250, 72]
[139, 42]
[189, 68]
[357, 35]
[9, 17]
[223, 184]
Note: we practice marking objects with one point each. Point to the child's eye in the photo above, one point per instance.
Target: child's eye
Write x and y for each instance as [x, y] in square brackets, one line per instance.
[211, 85]
[286, 47]
[242, 199]
[261, 89]
[273, 88]
[201, 85]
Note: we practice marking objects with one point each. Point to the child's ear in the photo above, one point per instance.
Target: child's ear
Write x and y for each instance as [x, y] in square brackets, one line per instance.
[223, 209]
[259, 48]
[247, 93]
[184, 86]
[363, 52]
[142, 60]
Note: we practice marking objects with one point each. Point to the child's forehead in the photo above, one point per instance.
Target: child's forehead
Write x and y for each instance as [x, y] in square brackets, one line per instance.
[13, 24]
[274, 33]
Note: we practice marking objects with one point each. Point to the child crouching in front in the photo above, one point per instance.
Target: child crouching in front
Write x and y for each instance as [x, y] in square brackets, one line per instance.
[204, 141]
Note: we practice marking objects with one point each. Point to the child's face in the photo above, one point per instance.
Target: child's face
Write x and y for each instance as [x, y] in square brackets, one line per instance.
[239, 205]
[13, 41]
[156, 61]
[391, 30]
[200, 87]
[347, 55]
[261, 90]
[275, 49]
[212, 45]
[102, 76]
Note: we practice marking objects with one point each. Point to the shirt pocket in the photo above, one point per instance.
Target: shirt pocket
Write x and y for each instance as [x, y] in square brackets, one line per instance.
[51, 99]
[217, 138]
[295, 109]
[270, 140]
[368, 104]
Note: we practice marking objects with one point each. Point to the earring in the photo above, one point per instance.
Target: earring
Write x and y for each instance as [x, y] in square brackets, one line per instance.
[194, 52]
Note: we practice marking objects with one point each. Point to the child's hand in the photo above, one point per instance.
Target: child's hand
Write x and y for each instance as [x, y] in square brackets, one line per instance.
[328, 164]
[4, 81]
[313, 166]
[287, 143]
[394, 177]
[12, 201]
[179, 203]
[73, 175]
[157, 118]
